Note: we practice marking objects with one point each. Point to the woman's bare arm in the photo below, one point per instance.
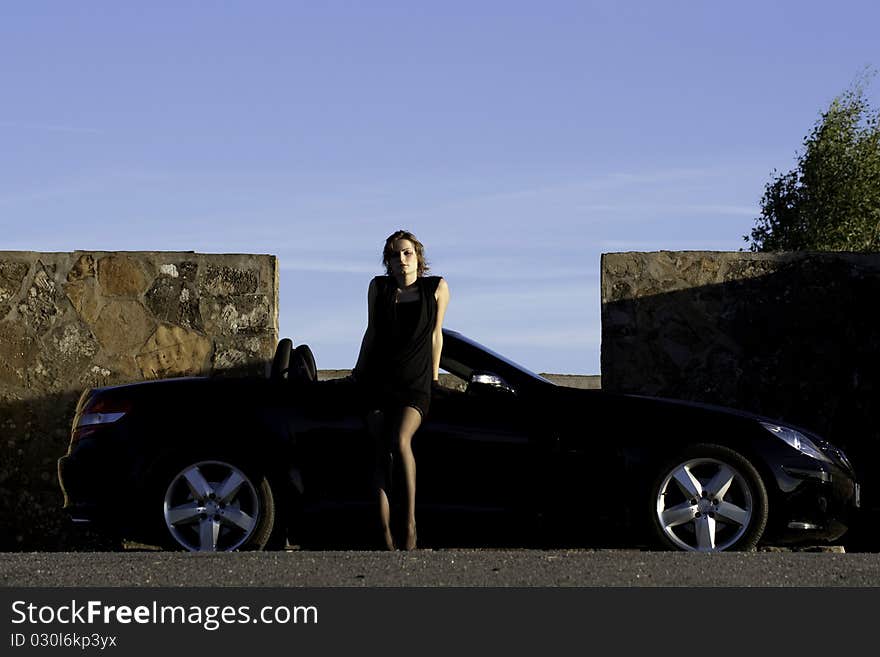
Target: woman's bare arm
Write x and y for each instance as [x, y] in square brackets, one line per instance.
[369, 334]
[442, 296]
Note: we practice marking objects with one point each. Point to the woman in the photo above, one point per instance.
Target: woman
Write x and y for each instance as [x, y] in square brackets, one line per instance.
[398, 363]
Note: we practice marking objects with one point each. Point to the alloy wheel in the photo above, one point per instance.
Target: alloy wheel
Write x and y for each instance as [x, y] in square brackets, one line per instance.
[211, 506]
[704, 505]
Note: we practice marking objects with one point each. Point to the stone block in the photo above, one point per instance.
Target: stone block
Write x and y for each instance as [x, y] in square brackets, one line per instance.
[12, 275]
[174, 299]
[19, 350]
[84, 267]
[239, 315]
[123, 326]
[84, 297]
[121, 275]
[38, 308]
[174, 351]
[244, 357]
[224, 281]
[66, 356]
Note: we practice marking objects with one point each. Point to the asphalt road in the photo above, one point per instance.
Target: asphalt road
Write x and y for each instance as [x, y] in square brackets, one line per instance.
[440, 568]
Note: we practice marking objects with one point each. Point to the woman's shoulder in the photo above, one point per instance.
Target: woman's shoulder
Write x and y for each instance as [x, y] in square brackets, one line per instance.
[380, 282]
[432, 282]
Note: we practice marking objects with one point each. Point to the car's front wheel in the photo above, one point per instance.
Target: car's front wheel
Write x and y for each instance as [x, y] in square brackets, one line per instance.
[218, 506]
[709, 499]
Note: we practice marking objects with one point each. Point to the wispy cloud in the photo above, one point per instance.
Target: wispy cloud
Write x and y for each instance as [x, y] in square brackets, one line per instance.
[336, 329]
[518, 261]
[573, 337]
[671, 244]
[49, 127]
[293, 264]
[674, 208]
[531, 294]
[49, 192]
[598, 183]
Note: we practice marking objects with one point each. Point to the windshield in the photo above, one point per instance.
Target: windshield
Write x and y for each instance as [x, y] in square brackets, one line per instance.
[506, 361]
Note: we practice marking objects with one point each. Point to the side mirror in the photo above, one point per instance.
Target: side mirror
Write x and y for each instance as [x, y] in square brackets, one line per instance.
[481, 383]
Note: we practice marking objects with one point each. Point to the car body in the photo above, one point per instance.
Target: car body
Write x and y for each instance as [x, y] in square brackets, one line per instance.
[213, 463]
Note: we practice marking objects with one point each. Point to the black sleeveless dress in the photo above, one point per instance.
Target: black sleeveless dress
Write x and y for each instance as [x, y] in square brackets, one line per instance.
[399, 370]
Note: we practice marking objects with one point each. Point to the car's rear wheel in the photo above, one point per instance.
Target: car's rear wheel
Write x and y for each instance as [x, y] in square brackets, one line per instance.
[709, 499]
[218, 506]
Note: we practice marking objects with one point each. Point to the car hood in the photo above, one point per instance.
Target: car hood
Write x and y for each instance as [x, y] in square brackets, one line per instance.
[651, 406]
[712, 408]
[728, 411]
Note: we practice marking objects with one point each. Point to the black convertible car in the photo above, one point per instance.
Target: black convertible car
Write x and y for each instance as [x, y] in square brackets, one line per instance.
[226, 464]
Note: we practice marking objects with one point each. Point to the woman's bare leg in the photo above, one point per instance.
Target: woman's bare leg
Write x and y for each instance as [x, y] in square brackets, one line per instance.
[385, 519]
[375, 425]
[410, 419]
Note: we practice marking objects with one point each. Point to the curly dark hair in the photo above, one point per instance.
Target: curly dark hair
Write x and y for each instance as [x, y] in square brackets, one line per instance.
[423, 267]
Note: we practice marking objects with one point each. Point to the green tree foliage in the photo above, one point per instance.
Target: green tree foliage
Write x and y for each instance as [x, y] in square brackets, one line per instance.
[831, 200]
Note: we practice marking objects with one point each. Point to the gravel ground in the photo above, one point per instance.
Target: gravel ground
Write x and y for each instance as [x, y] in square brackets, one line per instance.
[440, 568]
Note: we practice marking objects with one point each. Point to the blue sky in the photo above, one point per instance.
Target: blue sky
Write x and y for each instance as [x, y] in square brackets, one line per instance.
[518, 140]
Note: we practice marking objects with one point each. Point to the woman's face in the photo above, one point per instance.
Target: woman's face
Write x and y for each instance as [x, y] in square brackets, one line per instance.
[403, 258]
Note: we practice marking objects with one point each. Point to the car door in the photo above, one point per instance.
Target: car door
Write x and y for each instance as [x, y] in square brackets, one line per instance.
[475, 451]
[334, 451]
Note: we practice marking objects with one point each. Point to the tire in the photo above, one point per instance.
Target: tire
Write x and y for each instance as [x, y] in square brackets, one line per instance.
[214, 505]
[709, 499]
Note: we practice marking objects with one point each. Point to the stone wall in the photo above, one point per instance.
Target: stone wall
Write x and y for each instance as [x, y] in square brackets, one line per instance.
[792, 336]
[70, 321]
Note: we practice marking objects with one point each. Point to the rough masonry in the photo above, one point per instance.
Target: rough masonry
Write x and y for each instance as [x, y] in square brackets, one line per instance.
[791, 335]
[71, 321]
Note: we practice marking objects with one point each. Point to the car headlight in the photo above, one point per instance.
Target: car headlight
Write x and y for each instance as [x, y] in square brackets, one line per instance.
[797, 440]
